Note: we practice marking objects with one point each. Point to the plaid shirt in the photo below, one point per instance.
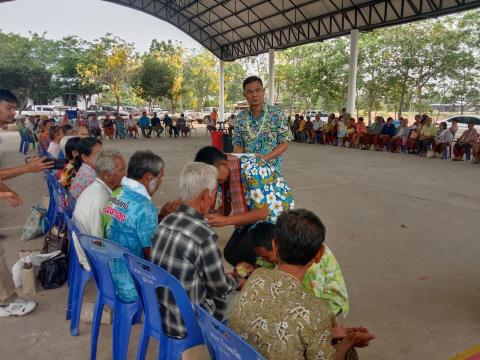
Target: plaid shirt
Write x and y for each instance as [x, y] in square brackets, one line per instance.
[186, 247]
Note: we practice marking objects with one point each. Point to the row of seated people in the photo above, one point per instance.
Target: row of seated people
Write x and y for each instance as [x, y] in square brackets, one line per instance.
[120, 128]
[291, 292]
[418, 138]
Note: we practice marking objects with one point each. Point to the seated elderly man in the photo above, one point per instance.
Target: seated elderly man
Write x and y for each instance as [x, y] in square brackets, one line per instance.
[129, 216]
[110, 169]
[444, 138]
[465, 142]
[256, 192]
[187, 247]
[277, 316]
[427, 134]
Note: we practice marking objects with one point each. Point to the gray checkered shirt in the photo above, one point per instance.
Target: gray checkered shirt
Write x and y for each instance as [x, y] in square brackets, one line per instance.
[186, 246]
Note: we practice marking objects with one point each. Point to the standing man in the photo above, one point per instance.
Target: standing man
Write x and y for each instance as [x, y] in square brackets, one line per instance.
[262, 129]
[10, 304]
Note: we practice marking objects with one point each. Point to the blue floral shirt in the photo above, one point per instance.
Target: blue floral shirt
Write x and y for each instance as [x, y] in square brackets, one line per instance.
[130, 220]
[264, 187]
[263, 134]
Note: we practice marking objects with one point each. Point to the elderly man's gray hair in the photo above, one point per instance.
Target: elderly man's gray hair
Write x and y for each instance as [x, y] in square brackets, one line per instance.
[106, 161]
[195, 178]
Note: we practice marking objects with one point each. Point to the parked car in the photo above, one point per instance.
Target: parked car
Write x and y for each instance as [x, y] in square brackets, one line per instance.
[102, 110]
[312, 113]
[33, 110]
[462, 121]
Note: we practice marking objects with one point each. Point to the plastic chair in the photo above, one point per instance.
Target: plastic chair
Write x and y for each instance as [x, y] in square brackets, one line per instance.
[53, 208]
[223, 343]
[149, 277]
[100, 254]
[78, 277]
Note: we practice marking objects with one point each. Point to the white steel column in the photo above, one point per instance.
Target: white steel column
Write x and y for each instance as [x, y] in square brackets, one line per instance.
[221, 92]
[271, 77]
[352, 75]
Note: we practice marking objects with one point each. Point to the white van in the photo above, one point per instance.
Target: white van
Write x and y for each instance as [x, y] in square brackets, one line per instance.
[33, 110]
[462, 121]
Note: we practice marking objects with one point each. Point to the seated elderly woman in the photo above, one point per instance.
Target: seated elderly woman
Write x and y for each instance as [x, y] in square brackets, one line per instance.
[88, 149]
[465, 142]
[309, 134]
[413, 135]
[350, 131]
[388, 131]
[108, 128]
[330, 130]
[440, 143]
[371, 139]
[398, 142]
[74, 162]
[360, 131]
[277, 315]
[426, 136]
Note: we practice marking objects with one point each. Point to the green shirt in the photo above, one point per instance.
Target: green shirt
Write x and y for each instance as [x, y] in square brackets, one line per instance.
[324, 280]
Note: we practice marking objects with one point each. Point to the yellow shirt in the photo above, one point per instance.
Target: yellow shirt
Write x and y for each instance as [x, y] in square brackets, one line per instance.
[302, 125]
[429, 131]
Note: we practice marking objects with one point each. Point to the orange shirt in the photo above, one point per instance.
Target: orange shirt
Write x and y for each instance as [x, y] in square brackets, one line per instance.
[360, 128]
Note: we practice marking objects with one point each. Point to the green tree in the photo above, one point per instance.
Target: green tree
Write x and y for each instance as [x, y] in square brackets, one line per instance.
[154, 79]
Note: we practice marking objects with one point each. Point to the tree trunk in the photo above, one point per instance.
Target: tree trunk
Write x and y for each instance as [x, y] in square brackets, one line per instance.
[402, 98]
[117, 99]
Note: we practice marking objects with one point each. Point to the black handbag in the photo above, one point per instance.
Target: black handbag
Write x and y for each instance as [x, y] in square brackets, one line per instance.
[53, 272]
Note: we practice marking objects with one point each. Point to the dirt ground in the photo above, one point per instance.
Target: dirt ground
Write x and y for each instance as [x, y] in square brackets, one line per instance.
[404, 229]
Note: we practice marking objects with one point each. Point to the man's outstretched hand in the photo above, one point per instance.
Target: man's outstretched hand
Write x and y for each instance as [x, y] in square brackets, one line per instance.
[37, 164]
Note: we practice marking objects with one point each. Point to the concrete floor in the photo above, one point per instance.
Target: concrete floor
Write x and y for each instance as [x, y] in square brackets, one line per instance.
[405, 230]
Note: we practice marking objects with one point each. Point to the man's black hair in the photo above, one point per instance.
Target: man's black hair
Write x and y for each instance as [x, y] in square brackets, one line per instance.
[7, 95]
[250, 80]
[299, 234]
[143, 162]
[210, 155]
[262, 235]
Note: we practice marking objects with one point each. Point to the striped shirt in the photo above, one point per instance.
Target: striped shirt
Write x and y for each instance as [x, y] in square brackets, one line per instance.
[186, 247]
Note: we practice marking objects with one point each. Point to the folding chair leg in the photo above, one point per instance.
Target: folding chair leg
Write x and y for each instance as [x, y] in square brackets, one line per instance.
[97, 317]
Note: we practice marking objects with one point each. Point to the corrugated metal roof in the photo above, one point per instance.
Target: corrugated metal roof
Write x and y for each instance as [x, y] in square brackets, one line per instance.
[233, 29]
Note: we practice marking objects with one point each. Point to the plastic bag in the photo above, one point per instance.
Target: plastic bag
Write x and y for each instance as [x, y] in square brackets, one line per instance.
[34, 224]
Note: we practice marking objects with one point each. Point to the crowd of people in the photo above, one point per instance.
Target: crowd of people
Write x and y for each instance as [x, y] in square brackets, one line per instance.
[112, 126]
[287, 289]
[422, 137]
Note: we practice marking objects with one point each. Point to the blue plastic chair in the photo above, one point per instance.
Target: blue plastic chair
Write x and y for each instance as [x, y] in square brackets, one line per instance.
[223, 343]
[148, 278]
[78, 277]
[100, 254]
[53, 206]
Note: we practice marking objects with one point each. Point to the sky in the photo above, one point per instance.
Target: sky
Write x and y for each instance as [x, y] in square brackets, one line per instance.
[89, 20]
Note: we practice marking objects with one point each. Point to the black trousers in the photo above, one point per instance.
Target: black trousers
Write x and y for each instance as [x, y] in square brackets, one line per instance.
[239, 247]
